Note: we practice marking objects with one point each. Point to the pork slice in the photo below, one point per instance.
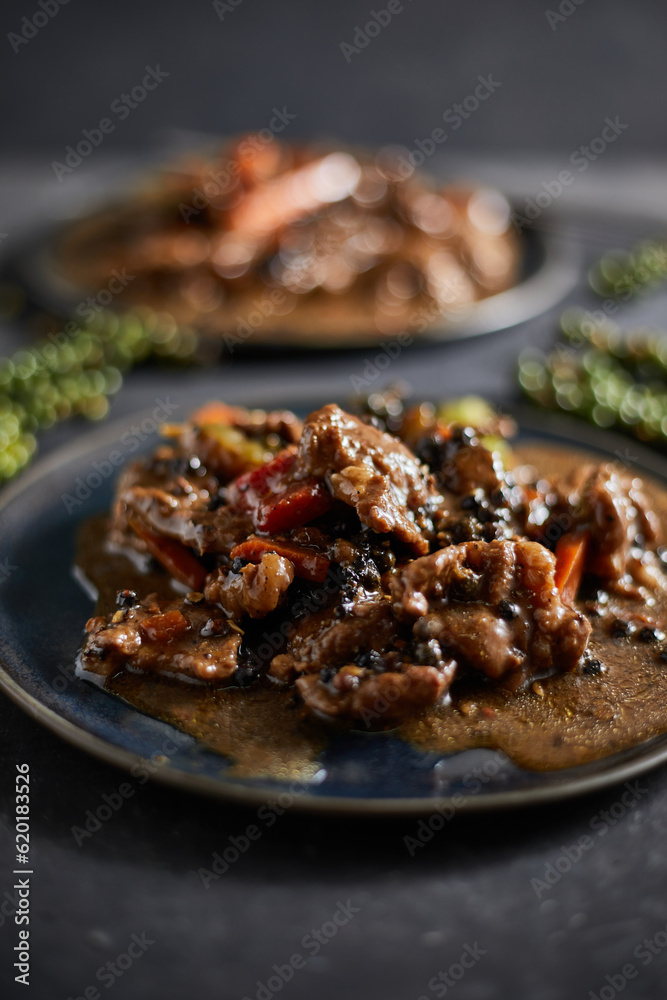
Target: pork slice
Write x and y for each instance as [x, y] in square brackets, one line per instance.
[163, 637]
[494, 607]
[368, 469]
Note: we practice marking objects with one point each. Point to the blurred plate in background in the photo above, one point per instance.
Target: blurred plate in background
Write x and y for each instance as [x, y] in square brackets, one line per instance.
[62, 265]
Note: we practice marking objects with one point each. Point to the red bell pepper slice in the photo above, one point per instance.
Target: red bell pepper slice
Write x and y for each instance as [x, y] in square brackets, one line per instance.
[308, 564]
[294, 506]
[276, 503]
[176, 558]
[249, 489]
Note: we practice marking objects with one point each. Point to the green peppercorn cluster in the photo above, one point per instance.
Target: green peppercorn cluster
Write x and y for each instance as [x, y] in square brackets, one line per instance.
[624, 274]
[64, 376]
[610, 377]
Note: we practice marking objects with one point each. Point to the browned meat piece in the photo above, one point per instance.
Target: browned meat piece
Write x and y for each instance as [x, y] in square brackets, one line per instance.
[187, 518]
[178, 504]
[326, 640]
[175, 514]
[255, 590]
[168, 637]
[493, 607]
[623, 528]
[356, 667]
[461, 464]
[176, 492]
[470, 467]
[622, 525]
[369, 470]
[481, 501]
[166, 485]
[375, 698]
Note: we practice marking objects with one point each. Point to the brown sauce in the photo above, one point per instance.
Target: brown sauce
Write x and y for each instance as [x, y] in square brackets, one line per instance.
[570, 719]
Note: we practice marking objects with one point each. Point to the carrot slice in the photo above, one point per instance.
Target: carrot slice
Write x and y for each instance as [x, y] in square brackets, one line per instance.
[215, 412]
[176, 558]
[308, 564]
[162, 628]
[571, 550]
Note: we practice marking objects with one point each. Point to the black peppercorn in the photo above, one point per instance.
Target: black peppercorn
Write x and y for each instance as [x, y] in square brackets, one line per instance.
[219, 500]
[651, 633]
[508, 610]
[127, 598]
[620, 628]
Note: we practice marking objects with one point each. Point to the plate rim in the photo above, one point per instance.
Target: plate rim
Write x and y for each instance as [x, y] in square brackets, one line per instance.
[224, 789]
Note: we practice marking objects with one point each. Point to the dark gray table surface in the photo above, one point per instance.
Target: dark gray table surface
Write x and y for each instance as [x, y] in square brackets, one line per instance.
[470, 890]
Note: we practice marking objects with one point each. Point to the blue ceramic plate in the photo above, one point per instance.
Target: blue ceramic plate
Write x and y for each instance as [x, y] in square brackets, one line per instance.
[43, 608]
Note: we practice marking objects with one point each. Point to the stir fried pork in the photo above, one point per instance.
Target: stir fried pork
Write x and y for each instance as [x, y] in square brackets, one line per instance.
[388, 571]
